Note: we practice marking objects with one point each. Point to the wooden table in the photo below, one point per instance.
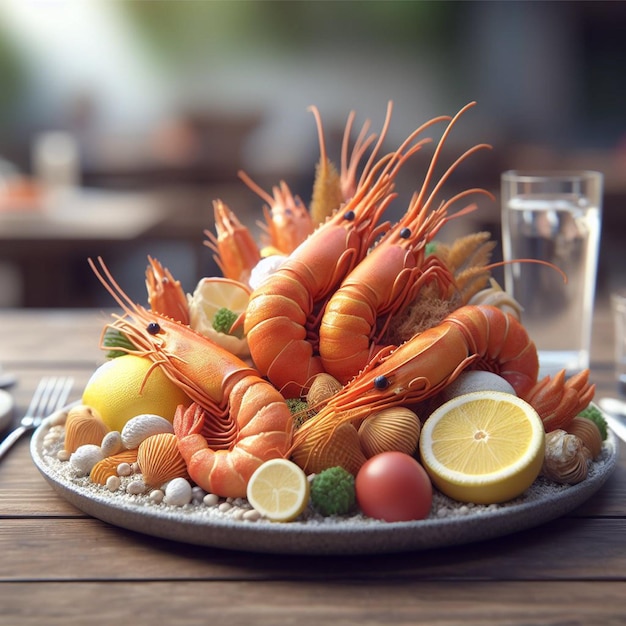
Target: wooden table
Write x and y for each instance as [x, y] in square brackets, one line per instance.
[58, 566]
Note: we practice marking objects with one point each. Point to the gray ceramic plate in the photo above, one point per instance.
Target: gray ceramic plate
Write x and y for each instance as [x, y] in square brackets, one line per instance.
[201, 525]
[6, 409]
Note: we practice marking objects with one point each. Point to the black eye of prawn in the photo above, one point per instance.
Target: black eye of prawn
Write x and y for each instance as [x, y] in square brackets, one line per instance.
[349, 215]
[405, 233]
[381, 382]
[153, 328]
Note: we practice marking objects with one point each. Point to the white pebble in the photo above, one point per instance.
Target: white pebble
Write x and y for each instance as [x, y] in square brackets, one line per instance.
[178, 492]
[113, 483]
[224, 507]
[157, 495]
[211, 499]
[252, 515]
[124, 469]
[64, 455]
[49, 440]
[136, 487]
[197, 494]
[238, 514]
[111, 443]
[58, 418]
[84, 458]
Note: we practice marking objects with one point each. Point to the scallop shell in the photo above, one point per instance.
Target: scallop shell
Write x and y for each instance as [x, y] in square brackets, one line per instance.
[83, 426]
[143, 426]
[342, 448]
[566, 458]
[589, 433]
[108, 466]
[395, 428]
[160, 460]
[322, 388]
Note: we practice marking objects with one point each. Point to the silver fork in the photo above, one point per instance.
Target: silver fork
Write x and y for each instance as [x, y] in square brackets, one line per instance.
[51, 394]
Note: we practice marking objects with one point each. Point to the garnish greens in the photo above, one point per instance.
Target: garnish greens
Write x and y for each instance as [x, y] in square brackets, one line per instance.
[114, 338]
[223, 321]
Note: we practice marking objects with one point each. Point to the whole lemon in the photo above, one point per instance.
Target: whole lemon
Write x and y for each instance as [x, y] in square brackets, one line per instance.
[114, 391]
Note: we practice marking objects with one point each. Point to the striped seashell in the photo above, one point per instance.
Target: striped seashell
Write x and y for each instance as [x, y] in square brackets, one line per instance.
[392, 429]
[566, 458]
[588, 433]
[342, 449]
[159, 459]
[108, 466]
[322, 388]
[83, 426]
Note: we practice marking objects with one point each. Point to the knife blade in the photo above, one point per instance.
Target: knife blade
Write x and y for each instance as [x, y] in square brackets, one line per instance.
[614, 409]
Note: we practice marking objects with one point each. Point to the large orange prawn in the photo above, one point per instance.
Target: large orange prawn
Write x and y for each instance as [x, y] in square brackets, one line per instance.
[242, 415]
[283, 314]
[390, 277]
[476, 337]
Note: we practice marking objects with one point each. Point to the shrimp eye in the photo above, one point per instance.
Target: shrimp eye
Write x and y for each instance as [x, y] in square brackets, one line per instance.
[381, 382]
[405, 233]
[349, 215]
[153, 328]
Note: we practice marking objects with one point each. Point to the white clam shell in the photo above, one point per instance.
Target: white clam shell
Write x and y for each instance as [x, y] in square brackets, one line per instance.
[476, 380]
[84, 458]
[178, 492]
[112, 443]
[143, 426]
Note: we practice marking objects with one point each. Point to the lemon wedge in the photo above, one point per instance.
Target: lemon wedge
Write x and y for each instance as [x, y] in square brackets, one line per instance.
[211, 295]
[279, 490]
[483, 447]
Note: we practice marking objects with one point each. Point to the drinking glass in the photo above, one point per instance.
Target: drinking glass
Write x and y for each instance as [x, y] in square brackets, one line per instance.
[553, 217]
[618, 304]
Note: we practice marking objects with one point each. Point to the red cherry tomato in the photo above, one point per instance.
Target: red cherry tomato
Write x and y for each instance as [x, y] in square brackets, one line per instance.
[394, 487]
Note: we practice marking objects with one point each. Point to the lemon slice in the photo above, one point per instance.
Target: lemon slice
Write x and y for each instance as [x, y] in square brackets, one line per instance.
[279, 490]
[211, 295]
[483, 447]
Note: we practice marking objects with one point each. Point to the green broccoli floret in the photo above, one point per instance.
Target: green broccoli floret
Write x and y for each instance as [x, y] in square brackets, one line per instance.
[332, 492]
[113, 338]
[299, 411]
[595, 415]
[431, 246]
[223, 321]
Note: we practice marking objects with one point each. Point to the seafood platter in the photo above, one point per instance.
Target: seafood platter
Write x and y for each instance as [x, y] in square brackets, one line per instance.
[349, 384]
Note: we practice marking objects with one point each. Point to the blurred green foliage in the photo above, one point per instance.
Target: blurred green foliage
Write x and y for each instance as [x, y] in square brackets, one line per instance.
[12, 75]
[178, 31]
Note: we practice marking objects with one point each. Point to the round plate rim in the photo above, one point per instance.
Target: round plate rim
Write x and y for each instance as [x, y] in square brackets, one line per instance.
[312, 538]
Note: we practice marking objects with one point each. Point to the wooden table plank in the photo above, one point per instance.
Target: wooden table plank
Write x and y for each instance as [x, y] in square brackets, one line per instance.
[285, 603]
[58, 549]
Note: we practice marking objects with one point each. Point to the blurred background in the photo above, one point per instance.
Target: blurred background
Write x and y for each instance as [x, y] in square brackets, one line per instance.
[121, 121]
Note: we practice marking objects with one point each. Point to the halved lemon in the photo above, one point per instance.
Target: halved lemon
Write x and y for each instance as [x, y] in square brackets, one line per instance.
[211, 295]
[483, 447]
[279, 490]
